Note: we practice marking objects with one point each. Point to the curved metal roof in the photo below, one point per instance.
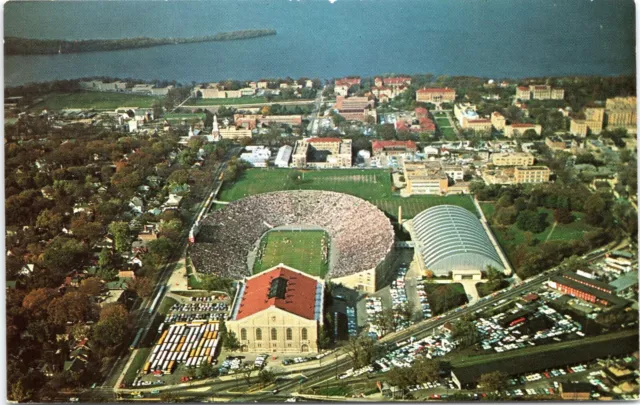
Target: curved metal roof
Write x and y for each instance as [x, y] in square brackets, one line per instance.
[452, 238]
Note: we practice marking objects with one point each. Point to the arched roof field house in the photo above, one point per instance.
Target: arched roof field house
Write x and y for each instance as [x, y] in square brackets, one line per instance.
[450, 238]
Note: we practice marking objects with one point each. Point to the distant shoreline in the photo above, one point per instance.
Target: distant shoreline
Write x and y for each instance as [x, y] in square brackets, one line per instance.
[30, 46]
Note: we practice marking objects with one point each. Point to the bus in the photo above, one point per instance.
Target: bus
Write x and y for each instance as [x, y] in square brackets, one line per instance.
[146, 368]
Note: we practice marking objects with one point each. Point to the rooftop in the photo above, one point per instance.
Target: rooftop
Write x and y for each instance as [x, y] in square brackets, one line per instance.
[281, 287]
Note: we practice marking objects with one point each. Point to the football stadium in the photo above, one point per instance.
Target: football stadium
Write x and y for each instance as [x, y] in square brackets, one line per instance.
[360, 236]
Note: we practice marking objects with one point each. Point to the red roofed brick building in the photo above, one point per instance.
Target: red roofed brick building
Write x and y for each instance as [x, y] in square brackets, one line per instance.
[436, 95]
[422, 112]
[393, 81]
[278, 310]
[350, 81]
[393, 148]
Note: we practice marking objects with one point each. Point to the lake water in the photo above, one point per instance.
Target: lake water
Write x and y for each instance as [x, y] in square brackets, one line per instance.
[490, 38]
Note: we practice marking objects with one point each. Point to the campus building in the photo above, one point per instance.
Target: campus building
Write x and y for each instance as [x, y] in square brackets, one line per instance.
[621, 112]
[322, 153]
[586, 289]
[518, 129]
[498, 121]
[539, 92]
[436, 95]
[393, 148]
[355, 108]
[425, 178]
[531, 175]
[593, 122]
[512, 159]
[278, 310]
[450, 239]
[400, 81]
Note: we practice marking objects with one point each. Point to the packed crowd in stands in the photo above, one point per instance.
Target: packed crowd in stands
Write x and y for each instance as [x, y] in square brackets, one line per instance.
[361, 234]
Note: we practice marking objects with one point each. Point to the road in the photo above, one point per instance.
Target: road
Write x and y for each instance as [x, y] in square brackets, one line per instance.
[329, 371]
[313, 122]
[144, 319]
[253, 105]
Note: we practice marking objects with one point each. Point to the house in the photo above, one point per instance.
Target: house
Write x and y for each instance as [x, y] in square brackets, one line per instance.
[126, 275]
[172, 203]
[27, 270]
[136, 205]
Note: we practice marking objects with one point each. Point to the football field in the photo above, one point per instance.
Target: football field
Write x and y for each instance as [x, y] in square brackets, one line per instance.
[307, 251]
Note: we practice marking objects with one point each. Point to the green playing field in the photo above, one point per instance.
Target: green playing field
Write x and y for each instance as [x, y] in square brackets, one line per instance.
[307, 251]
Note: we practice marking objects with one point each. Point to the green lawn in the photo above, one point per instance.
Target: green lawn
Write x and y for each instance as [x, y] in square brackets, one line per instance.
[301, 250]
[96, 100]
[371, 185]
[136, 364]
[448, 134]
[511, 237]
[443, 297]
[173, 117]
[225, 101]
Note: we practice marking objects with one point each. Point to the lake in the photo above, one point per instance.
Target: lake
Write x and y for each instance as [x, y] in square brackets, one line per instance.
[488, 38]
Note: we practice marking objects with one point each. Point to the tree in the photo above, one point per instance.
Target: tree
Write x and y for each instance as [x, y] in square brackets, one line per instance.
[231, 341]
[71, 307]
[386, 131]
[161, 248]
[64, 254]
[494, 277]
[493, 381]
[122, 236]
[49, 220]
[104, 258]
[142, 286]
[465, 332]
[401, 377]
[505, 216]
[214, 283]
[426, 370]
[113, 326]
[36, 301]
[91, 286]
[266, 377]
[594, 208]
[18, 392]
[168, 397]
[178, 177]
[206, 370]
[361, 350]
[562, 216]
[532, 221]
[386, 321]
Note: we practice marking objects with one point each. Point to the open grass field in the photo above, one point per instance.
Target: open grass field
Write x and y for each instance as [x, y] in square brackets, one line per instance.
[302, 250]
[446, 128]
[95, 99]
[512, 237]
[371, 185]
[226, 101]
[443, 297]
[177, 117]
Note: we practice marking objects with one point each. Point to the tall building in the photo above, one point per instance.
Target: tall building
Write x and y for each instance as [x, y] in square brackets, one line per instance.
[436, 95]
[278, 310]
[355, 108]
[621, 112]
[593, 122]
[539, 92]
[531, 174]
[498, 121]
[425, 178]
[512, 159]
[322, 153]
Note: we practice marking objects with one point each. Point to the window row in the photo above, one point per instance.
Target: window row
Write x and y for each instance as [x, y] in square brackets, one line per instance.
[274, 334]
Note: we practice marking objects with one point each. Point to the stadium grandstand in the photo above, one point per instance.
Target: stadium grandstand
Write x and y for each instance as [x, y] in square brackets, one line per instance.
[451, 239]
[361, 235]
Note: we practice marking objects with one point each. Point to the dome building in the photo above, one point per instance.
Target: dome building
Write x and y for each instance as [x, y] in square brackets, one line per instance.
[451, 240]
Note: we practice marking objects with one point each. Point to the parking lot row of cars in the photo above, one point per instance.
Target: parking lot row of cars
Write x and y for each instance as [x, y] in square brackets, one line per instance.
[352, 323]
[499, 338]
[298, 360]
[200, 307]
[190, 317]
[436, 345]
[424, 300]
